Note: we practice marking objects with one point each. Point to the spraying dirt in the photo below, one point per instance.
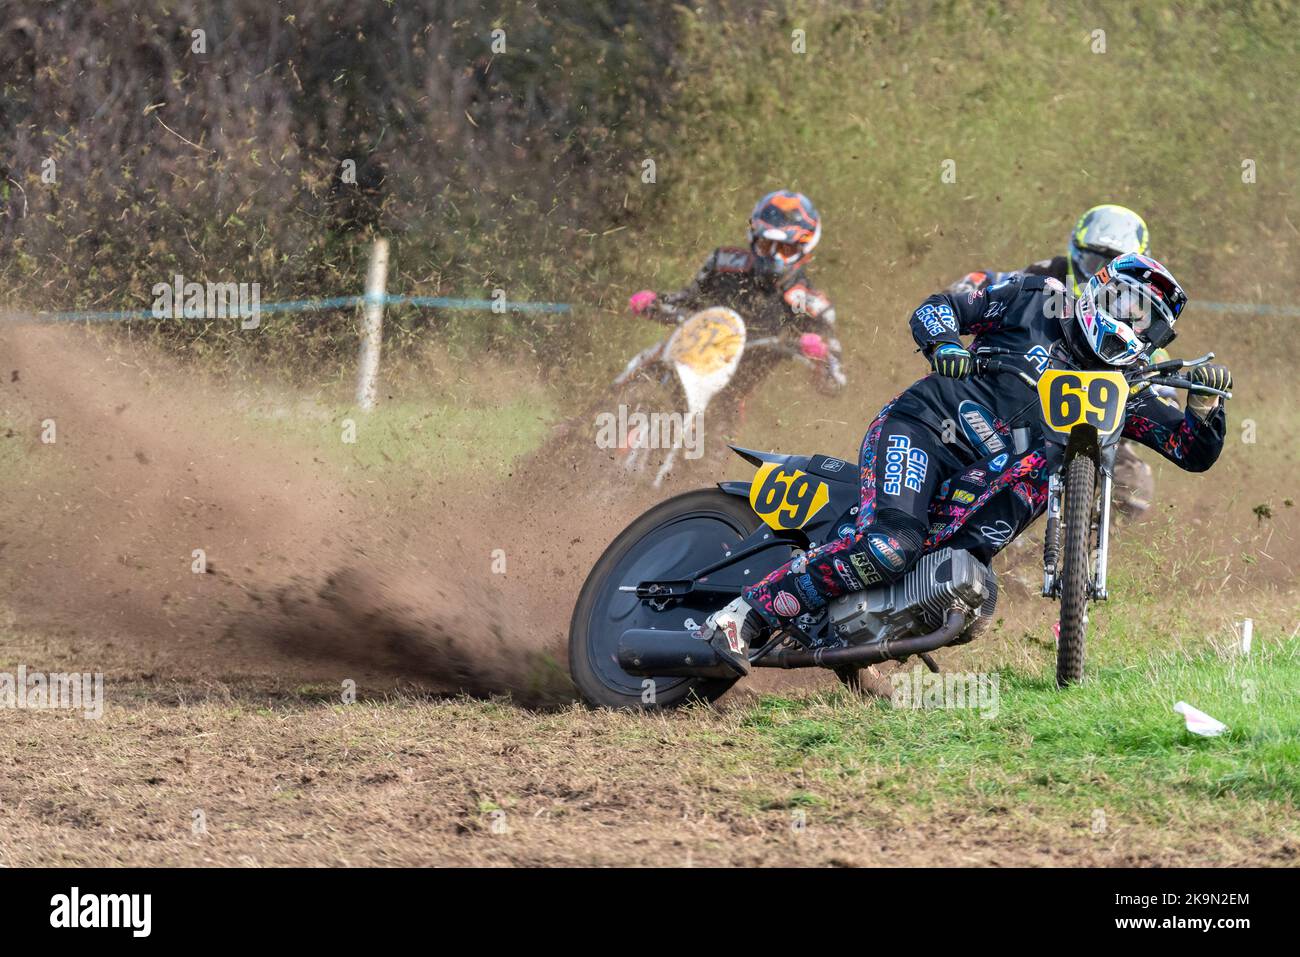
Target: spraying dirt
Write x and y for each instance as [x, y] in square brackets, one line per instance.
[158, 521]
[145, 465]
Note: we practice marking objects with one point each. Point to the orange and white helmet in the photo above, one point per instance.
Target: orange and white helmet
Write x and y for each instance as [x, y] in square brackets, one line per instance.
[783, 230]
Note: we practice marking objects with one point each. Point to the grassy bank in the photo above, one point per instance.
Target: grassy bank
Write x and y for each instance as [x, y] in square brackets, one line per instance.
[1038, 114]
[1114, 743]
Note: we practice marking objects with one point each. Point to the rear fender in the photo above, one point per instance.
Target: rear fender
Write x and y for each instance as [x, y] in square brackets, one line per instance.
[840, 477]
[737, 488]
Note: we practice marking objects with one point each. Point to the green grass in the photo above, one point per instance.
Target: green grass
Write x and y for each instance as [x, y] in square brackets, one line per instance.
[1114, 742]
[15, 455]
[418, 436]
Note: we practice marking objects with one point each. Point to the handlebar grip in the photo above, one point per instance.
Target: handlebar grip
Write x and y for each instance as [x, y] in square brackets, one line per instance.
[1174, 382]
[1175, 365]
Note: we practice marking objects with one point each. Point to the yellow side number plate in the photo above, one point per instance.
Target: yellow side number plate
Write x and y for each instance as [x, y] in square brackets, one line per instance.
[786, 498]
[1082, 398]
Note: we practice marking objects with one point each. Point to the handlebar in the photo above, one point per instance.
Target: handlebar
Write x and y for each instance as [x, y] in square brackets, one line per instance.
[1174, 382]
[1173, 365]
[1152, 375]
[985, 365]
[781, 347]
[662, 313]
[1143, 378]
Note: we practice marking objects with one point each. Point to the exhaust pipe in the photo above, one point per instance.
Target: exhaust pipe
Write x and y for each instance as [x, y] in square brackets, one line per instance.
[679, 654]
[669, 654]
[870, 653]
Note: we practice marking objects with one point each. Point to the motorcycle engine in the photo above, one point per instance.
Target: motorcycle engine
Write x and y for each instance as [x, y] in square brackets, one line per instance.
[919, 602]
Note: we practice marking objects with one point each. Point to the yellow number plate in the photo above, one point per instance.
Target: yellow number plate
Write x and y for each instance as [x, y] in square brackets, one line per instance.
[786, 498]
[1082, 398]
[707, 341]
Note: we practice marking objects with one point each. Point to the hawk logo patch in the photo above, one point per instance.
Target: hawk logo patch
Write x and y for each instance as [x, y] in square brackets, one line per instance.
[977, 423]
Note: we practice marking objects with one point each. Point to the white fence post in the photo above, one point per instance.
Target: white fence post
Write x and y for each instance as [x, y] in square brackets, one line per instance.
[372, 329]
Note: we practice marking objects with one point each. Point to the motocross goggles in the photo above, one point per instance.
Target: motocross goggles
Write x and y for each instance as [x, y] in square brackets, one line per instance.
[775, 249]
[1088, 262]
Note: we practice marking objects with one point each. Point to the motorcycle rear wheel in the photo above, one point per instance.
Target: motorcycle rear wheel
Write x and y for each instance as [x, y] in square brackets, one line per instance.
[670, 541]
[1080, 502]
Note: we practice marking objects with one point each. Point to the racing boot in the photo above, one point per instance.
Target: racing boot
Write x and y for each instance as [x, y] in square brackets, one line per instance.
[730, 631]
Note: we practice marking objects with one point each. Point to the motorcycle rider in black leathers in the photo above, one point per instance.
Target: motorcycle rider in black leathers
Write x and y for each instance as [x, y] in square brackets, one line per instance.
[954, 453]
[767, 284]
[1101, 234]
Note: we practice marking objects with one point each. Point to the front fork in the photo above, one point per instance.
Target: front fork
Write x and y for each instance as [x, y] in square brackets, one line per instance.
[1099, 592]
[1052, 539]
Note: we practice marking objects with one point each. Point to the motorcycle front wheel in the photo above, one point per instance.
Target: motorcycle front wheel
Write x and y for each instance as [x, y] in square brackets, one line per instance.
[1076, 552]
[583, 452]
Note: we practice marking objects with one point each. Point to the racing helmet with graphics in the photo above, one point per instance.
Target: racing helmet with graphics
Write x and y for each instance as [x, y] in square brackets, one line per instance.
[1126, 310]
[1101, 234]
[784, 228]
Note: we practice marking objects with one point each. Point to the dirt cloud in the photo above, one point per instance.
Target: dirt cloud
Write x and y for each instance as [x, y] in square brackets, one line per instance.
[306, 575]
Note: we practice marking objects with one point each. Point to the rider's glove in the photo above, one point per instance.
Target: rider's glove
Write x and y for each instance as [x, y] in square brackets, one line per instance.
[1216, 377]
[952, 360]
[813, 346]
[641, 301]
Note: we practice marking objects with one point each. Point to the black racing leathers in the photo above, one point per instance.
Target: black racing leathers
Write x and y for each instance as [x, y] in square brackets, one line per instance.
[769, 305]
[1022, 314]
[1134, 480]
[963, 462]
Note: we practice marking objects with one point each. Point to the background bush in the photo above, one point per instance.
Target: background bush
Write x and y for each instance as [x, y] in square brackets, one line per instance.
[487, 169]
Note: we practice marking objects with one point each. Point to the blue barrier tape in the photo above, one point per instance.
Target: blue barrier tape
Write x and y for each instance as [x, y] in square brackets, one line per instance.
[340, 302]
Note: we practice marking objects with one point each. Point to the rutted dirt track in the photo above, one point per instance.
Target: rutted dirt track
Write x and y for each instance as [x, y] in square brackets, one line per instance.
[281, 780]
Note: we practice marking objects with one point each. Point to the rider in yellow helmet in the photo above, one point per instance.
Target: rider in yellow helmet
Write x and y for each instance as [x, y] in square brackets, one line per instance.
[1101, 234]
